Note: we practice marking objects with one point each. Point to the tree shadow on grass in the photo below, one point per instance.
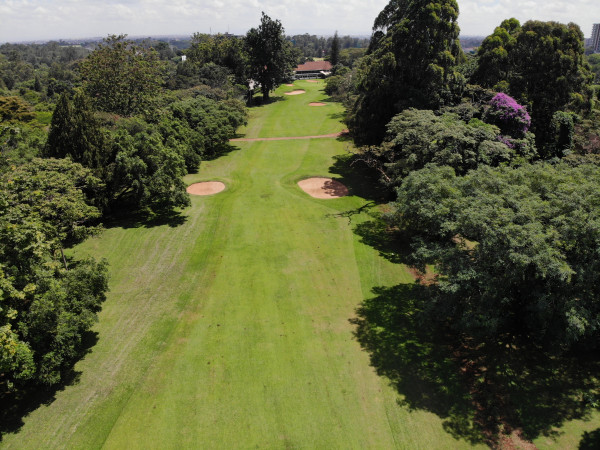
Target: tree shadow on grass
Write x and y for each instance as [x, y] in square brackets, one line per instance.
[337, 115]
[257, 100]
[480, 390]
[416, 360]
[390, 244]
[220, 150]
[145, 219]
[17, 405]
[590, 440]
[360, 179]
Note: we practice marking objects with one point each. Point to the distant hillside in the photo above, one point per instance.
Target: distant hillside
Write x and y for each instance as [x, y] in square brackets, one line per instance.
[469, 43]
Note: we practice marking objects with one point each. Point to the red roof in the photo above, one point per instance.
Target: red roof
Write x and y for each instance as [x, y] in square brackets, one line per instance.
[314, 66]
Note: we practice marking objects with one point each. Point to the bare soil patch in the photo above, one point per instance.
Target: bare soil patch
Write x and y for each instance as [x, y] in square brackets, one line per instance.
[317, 104]
[205, 188]
[296, 92]
[323, 187]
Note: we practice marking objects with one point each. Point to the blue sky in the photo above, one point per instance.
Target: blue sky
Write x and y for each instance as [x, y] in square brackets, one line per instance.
[22, 20]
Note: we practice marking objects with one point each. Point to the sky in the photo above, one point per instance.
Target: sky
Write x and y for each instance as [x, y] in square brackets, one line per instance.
[26, 20]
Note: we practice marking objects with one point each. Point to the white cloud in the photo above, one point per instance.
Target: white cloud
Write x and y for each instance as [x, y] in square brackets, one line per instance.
[52, 19]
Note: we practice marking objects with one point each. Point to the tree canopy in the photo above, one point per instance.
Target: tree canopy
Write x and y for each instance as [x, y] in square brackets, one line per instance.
[515, 249]
[541, 64]
[411, 62]
[270, 56]
[122, 77]
[45, 305]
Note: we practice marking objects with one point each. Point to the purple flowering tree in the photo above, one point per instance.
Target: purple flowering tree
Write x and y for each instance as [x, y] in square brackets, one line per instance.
[512, 118]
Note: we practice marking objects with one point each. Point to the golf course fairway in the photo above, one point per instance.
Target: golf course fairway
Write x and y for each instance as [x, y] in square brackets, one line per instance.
[230, 326]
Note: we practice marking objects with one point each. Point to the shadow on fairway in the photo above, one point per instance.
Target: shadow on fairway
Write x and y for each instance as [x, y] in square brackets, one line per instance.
[17, 405]
[128, 219]
[258, 100]
[590, 440]
[221, 150]
[360, 180]
[417, 362]
[479, 389]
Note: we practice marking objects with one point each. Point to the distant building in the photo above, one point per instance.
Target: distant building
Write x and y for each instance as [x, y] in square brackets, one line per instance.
[596, 38]
[313, 69]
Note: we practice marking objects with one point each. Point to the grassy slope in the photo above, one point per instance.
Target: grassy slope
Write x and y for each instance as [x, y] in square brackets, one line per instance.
[231, 330]
[291, 115]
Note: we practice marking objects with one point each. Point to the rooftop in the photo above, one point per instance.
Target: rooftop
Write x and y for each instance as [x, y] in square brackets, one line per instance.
[314, 66]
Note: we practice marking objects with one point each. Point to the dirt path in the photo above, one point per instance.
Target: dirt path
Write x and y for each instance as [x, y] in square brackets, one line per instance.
[290, 138]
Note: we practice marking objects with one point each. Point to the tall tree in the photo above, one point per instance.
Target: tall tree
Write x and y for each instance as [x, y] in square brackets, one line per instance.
[411, 62]
[122, 77]
[334, 58]
[270, 55]
[75, 132]
[222, 50]
[541, 64]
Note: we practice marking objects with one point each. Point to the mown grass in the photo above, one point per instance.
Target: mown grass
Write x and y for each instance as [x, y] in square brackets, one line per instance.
[290, 115]
[231, 329]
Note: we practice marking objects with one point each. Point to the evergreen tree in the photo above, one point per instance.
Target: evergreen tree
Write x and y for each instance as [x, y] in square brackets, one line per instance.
[334, 59]
[411, 62]
[75, 132]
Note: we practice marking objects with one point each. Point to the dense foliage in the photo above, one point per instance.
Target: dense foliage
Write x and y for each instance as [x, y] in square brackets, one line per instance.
[122, 77]
[46, 304]
[411, 62]
[270, 55]
[515, 249]
[541, 64]
[419, 137]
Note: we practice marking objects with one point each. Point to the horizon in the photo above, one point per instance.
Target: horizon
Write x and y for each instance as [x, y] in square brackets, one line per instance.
[51, 20]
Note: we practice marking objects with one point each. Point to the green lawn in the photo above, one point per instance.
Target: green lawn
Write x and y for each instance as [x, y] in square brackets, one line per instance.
[290, 115]
[231, 330]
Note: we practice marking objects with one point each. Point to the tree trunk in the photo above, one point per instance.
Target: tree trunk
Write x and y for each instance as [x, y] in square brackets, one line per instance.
[265, 93]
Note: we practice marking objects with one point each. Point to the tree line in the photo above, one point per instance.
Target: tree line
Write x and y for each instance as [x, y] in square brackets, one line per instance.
[491, 160]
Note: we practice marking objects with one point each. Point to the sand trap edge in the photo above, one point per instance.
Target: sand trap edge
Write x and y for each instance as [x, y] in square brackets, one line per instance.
[296, 92]
[205, 188]
[317, 104]
[323, 187]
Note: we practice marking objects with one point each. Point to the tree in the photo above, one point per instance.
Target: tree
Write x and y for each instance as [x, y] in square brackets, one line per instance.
[542, 65]
[334, 57]
[222, 50]
[121, 77]
[270, 57]
[75, 132]
[515, 250]
[411, 62]
[419, 137]
[45, 305]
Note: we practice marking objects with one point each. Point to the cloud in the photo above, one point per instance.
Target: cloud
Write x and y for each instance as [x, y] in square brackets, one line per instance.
[480, 17]
[52, 19]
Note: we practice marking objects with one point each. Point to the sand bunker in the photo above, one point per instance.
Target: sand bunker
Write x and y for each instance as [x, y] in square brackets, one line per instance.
[323, 187]
[205, 188]
[296, 92]
[313, 81]
[316, 104]
[289, 85]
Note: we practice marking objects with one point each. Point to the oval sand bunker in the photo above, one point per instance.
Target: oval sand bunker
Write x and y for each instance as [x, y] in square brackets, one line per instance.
[205, 188]
[296, 92]
[323, 187]
[316, 104]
